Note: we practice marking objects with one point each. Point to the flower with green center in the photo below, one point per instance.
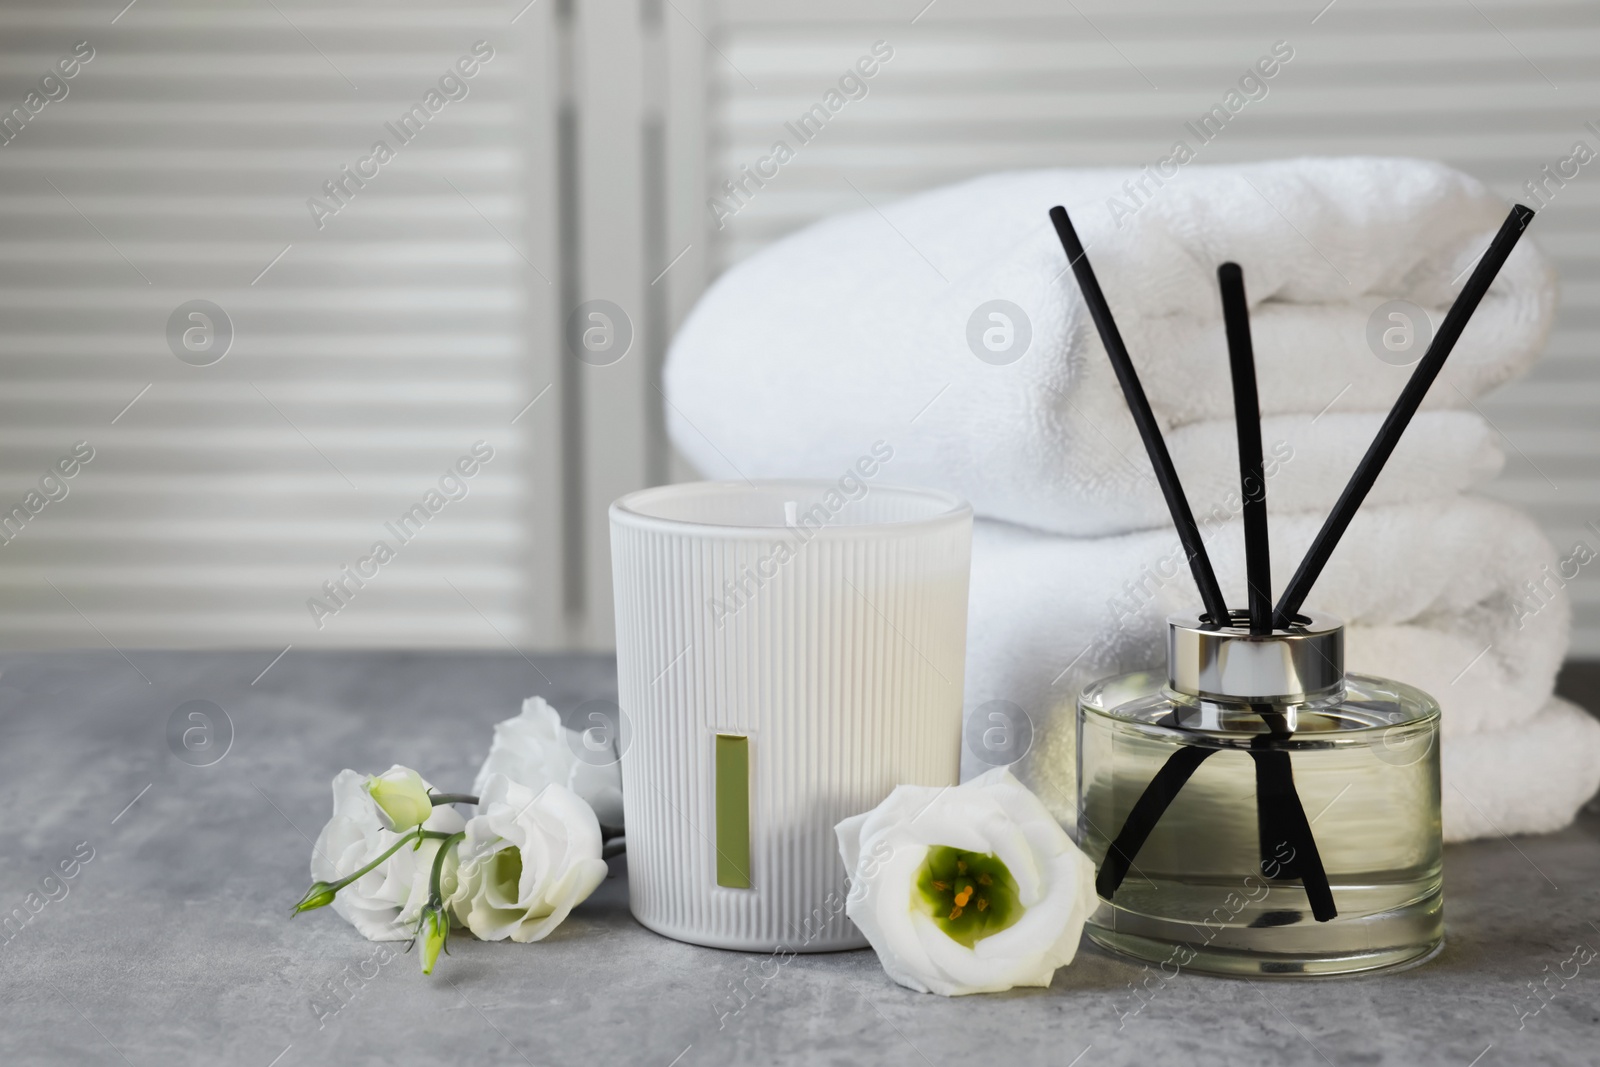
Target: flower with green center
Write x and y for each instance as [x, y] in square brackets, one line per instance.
[970, 895]
[402, 798]
[528, 859]
[967, 889]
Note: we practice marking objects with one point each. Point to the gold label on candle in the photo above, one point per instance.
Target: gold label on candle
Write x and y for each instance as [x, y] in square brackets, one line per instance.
[733, 811]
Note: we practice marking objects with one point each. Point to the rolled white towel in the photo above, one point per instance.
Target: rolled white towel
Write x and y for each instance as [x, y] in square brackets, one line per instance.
[857, 329]
[1529, 780]
[1309, 459]
[1434, 595]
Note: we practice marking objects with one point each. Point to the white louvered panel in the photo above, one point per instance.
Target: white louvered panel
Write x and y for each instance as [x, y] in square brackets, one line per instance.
[638, 85]
[365, 361]
[610, 42]
[686, 117]
[975, 87]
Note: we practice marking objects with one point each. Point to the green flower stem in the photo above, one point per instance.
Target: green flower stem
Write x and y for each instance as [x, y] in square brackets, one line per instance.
[452, 798]
[435, 897]
[322, 893]
[391, 850]
[433, 925]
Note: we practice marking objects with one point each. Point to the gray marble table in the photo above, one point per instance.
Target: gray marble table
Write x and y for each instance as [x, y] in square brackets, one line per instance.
[172, 944]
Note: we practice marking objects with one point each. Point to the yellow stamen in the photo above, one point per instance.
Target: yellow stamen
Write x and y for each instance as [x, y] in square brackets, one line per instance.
[955, 913]
[961, 866]
[941, 886]
[984, 879]
[983, 903]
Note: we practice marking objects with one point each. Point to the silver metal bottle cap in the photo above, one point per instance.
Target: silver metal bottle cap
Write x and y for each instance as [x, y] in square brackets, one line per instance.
[1293, 666]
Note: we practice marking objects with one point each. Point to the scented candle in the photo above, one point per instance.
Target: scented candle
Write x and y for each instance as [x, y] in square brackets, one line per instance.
[787, 653]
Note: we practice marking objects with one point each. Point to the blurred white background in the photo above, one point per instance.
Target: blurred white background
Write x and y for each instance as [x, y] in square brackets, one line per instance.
[374, 346]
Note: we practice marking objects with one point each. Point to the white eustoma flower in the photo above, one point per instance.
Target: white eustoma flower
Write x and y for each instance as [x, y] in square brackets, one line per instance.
[534, 750]
[384, 903]
[967, 889]
[528, 859]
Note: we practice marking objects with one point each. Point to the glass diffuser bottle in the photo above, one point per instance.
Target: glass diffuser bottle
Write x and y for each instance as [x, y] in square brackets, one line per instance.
[1207, 862]
[1253, 810]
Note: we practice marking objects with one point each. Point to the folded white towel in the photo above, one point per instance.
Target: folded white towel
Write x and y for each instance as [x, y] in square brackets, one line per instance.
[1308, 461]
[868, 329]
[857, 329]
[1432, 595]
[1529, 780]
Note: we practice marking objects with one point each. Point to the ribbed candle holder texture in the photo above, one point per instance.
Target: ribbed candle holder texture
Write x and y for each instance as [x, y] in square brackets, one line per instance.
[787, 653]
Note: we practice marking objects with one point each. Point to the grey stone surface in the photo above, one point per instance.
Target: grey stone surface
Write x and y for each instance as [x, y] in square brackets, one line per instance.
[173, 944]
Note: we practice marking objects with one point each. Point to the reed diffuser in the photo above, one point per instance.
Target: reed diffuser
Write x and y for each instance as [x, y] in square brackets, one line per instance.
[1254, 809]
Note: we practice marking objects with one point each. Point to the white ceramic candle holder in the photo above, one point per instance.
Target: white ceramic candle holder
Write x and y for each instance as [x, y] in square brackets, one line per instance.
[787, 653]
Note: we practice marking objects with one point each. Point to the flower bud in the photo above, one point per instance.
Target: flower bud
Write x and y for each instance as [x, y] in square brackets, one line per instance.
[402, 799]
[320, 895]
[434, 930]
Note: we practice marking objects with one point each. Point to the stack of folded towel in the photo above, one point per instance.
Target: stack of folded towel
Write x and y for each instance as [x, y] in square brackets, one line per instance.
[868, 327]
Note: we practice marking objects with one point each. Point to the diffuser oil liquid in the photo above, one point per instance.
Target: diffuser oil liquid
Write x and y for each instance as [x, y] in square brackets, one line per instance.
[1214, 888]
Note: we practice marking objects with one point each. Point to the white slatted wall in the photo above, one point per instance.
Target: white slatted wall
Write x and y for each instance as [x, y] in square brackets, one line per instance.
[1496, 87]
[427, 313]
[365, 361]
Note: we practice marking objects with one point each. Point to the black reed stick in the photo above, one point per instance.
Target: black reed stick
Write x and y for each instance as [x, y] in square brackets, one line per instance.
[1411, 396]
[1274, 776]
[1280, 816]
[1247, 421]
[1144, 419]
[1281, 819]
[1145, 813]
